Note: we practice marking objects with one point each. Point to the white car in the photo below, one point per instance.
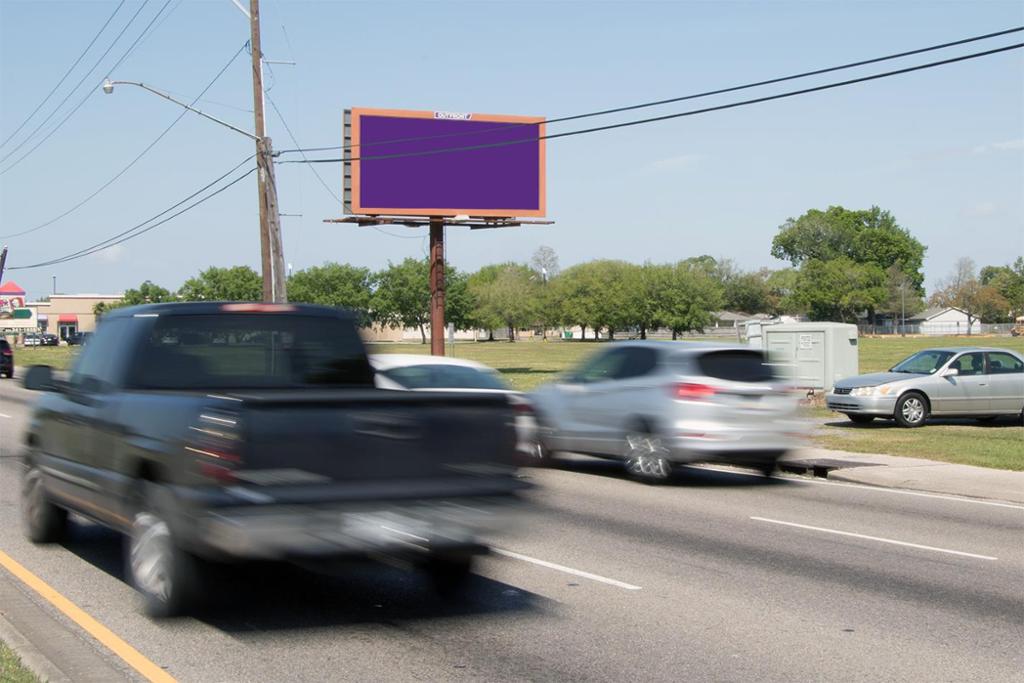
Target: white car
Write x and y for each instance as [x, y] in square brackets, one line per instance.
[414, 372]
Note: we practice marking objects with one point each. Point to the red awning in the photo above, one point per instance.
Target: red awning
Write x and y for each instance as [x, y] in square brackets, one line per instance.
[67, 318]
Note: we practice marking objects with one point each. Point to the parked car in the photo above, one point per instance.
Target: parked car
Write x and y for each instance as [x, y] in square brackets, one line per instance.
[50, 340]
[6, 359]
[656, 404]
[32, 340]
[78, 338]
[949, 382]
[227, 432]
[415, 372]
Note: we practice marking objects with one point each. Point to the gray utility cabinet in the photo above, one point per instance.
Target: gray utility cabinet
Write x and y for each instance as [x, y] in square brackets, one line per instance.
[812, 355]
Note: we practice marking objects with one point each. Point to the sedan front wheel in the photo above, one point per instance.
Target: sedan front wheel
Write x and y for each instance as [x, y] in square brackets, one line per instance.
[911, 410]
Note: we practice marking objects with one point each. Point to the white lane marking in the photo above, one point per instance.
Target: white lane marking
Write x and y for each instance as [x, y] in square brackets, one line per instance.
[874, 538]
[567, 570]
[865, 487]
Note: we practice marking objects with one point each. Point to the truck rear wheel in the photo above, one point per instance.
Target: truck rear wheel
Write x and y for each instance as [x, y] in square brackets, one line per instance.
[167, 577]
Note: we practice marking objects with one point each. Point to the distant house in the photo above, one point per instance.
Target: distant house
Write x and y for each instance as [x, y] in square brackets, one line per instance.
[943, 320]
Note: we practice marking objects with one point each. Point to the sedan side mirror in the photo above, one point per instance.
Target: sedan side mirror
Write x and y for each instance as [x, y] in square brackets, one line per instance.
[950, 372]
[40, 378]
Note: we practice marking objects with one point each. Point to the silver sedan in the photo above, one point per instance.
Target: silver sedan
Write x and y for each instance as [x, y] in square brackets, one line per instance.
[949, 382]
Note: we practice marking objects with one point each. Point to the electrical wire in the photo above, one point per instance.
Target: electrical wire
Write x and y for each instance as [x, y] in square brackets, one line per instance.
[133, 161]
[66, 73]
[91, 91]
[124, 29]
[708, 93]
[323, 183]
[140, 228]
[666, 117]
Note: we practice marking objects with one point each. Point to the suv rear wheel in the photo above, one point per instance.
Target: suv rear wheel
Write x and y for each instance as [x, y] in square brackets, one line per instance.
[646, 457]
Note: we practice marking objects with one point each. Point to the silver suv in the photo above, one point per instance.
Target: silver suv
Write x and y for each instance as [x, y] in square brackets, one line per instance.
[654, 404]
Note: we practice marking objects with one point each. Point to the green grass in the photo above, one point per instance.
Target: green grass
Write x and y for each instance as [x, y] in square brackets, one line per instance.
[59, 357]
[878, 354]
[998, 444]
[11, 668]
[526, 364]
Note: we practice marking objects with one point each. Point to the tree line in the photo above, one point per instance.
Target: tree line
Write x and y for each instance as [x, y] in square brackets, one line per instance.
[845, 264]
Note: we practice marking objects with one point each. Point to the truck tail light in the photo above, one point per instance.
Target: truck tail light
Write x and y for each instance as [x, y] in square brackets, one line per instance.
[692, 391]
[215, 445]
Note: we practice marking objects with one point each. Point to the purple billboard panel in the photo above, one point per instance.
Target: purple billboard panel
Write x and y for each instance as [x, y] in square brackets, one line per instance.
[442, 164]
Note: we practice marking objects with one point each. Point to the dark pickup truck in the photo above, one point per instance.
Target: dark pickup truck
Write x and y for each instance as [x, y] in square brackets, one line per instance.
[210, 433]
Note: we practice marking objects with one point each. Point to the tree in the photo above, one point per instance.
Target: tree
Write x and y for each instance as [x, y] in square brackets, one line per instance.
[506, 295]
[1009, 282]
[545, 262]
[240, 283]
[147, 293]
[781, 287]
[689, 296]
[746, 292]
[839, 288]
[401, 296]
[579, 290]
[334, 284]
[865, 237]
[959, 289]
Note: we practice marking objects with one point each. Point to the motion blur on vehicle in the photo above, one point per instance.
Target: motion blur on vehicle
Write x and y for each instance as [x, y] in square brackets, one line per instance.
[218, 433]
[411, 372]
[654, 405]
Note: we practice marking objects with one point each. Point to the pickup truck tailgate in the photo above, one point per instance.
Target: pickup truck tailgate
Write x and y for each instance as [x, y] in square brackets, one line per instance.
[362, 435]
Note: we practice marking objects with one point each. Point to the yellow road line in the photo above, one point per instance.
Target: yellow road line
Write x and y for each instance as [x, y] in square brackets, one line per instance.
[104, 635]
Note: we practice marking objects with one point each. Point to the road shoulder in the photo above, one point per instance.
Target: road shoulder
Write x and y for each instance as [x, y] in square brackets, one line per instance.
[52, 649]
[915, 474]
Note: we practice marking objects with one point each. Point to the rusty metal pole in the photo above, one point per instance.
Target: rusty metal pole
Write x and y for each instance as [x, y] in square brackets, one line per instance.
[437, 286]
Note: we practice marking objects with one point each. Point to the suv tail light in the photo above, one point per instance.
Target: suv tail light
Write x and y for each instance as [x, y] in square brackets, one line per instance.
[692, 391]
[215, 444]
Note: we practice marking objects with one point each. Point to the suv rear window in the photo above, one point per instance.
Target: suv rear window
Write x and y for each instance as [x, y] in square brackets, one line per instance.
[251, 351]
[736, 366]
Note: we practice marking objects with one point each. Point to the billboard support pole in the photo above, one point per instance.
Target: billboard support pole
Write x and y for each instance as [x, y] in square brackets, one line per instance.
[437, 325]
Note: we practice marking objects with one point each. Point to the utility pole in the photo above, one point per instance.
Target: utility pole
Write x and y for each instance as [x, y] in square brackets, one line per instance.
[903, 308]
[3, 262]
[271, 251]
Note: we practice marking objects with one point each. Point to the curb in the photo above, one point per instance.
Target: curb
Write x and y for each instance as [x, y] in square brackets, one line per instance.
[33, 660]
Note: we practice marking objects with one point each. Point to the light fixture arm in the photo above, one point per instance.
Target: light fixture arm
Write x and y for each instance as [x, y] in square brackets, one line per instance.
[108, 87]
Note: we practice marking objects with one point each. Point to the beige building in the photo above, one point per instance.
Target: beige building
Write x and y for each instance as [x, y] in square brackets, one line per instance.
[66, 314]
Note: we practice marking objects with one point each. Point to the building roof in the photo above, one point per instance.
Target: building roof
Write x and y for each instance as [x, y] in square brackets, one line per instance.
[929, 313]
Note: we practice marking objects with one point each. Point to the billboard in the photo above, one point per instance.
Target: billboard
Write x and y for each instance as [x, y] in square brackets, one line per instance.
[432, 163]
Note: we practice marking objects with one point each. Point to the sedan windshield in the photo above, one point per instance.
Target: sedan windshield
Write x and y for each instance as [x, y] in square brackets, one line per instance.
[923, 363]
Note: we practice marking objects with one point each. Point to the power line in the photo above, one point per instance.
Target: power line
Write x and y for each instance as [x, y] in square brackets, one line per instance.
[137, 230]
[66, 73]
[666, 117]
[124, 29]
[93, 90]
[133, 161]
[312, 168]
[683, 98]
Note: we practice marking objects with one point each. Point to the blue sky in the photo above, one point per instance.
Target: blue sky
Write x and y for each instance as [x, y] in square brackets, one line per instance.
[942, 149]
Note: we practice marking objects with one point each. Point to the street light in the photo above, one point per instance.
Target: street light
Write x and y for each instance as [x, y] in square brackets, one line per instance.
[272, 253]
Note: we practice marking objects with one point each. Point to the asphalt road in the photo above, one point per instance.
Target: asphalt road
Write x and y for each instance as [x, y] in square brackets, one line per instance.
[720, 576]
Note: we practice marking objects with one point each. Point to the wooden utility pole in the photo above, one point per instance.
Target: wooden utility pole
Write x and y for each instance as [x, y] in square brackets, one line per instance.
[437, 279]
[274, 288]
